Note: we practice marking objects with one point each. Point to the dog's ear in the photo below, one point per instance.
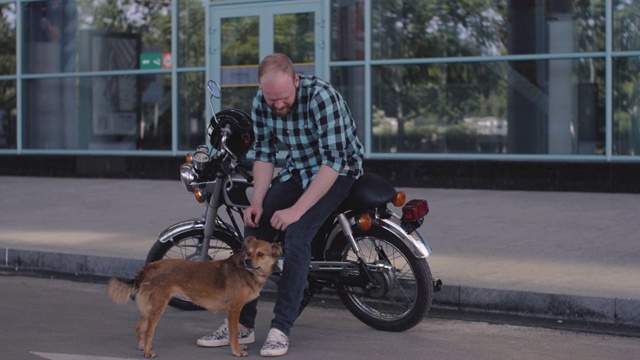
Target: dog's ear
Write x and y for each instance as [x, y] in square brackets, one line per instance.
[248, 241]
[276, 250]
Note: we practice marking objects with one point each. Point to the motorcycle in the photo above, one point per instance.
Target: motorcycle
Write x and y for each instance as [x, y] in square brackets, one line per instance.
[374, 259]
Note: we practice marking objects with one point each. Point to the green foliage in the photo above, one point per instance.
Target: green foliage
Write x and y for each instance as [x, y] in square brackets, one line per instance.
[626, 85]
[294, 36]
[240, 41]
[7, 39]
[152, 20]
[437, 94]
[8, 67]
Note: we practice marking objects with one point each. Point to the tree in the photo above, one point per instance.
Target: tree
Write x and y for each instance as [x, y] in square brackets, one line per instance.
[438, 93]
[7, 67]
[626, 85]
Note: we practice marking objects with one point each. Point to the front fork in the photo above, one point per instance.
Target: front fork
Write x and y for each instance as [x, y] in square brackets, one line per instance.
[210, 215]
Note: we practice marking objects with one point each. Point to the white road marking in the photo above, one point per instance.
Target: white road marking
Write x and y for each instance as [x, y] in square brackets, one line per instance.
[52, 356]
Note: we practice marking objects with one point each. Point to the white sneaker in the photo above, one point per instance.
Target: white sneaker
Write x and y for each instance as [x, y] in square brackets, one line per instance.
[277, 344]
[220, 337]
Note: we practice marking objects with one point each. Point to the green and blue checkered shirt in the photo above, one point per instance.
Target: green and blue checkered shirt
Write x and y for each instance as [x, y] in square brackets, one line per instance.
[319, 131]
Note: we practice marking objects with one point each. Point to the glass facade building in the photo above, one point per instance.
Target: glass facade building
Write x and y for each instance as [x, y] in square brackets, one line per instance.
[461, 80]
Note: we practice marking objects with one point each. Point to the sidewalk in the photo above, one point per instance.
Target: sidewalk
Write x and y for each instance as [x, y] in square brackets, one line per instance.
[553, 254]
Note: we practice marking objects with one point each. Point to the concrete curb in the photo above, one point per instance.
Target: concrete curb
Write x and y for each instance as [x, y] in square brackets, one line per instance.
[463, 298]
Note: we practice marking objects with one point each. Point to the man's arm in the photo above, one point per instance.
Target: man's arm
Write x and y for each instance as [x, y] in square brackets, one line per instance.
[262, 176]
[317, 189]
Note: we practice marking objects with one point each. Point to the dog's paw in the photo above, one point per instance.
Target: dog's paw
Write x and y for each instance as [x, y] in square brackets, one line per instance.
[241, 352]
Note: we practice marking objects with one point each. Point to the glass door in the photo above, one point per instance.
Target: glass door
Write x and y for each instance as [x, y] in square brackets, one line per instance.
[242, 34]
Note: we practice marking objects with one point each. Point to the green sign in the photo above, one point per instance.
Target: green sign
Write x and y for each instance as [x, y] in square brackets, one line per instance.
[150, 61]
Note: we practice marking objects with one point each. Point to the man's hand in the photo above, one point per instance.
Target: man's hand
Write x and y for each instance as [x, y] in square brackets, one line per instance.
[252, 215]
[281, 219]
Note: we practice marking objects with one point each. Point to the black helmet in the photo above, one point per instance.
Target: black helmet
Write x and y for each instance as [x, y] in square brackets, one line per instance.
[241, 126]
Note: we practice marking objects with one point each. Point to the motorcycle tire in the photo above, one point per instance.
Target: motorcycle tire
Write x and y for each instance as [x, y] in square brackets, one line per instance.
[187, 246]
[407, 294]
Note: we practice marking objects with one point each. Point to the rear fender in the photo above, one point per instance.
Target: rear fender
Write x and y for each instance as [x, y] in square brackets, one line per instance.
[419, 248]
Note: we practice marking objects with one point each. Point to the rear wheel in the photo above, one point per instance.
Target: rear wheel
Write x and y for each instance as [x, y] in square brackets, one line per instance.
[188, 246]
[403, 290]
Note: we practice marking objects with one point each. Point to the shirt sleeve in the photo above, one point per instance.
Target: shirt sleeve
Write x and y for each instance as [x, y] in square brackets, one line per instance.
[332, 118]
[265, 144]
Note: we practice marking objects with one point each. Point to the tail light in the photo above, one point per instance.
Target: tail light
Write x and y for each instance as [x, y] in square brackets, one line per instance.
[415, 210]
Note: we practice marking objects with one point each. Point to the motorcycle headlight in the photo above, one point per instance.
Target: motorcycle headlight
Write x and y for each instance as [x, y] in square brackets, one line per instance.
[188, 176]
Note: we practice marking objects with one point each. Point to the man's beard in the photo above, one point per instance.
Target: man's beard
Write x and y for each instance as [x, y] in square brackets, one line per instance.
[284, 112]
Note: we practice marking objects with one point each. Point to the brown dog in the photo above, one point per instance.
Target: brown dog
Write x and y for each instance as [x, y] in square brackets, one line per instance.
[215, 285]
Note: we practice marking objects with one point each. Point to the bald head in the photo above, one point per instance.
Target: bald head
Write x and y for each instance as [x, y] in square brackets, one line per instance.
[275, 64]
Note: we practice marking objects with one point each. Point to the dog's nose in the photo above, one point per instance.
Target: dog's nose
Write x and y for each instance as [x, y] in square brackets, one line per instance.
[248, 264]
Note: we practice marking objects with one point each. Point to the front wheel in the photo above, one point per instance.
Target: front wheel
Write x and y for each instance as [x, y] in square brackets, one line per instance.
[403, 290]
[188, 245]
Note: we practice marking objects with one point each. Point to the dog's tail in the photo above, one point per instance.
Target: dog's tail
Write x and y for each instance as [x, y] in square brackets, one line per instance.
[120, 291]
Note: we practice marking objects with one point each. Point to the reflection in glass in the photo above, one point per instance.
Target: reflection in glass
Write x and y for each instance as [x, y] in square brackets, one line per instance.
[626, 25]
[98, 113]
[239, 97]
[191, 33]
[59, 33]
[50, 36]
[50, 113]
[8, 114]
[347, 30]
[294, 35]
[155, 113]
[626, 106]
[422, 29]
[7, 39]
[240, 41]
[191, 110]
[349, 81]
[109, 51]
[150, 20]
[523, 107]
[240, 58]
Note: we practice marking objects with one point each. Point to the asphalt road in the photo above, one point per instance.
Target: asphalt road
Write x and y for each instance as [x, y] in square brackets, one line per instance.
[46, 318]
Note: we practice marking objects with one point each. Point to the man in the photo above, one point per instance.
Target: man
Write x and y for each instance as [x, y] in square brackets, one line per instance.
[324, 159]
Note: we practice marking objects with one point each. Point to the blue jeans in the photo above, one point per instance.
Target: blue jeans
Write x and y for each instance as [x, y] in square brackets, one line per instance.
[297, 245]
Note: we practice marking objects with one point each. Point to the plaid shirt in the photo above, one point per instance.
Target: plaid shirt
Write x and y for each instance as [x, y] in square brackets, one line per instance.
[319, 131]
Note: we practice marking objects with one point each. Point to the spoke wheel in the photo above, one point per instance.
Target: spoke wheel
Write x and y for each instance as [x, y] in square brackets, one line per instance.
[403, 292]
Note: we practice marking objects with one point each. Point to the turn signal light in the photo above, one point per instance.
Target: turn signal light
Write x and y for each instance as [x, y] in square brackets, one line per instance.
[400, 199]
[188, 158]
[415, 210]
[200, 195]
[364, 222]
